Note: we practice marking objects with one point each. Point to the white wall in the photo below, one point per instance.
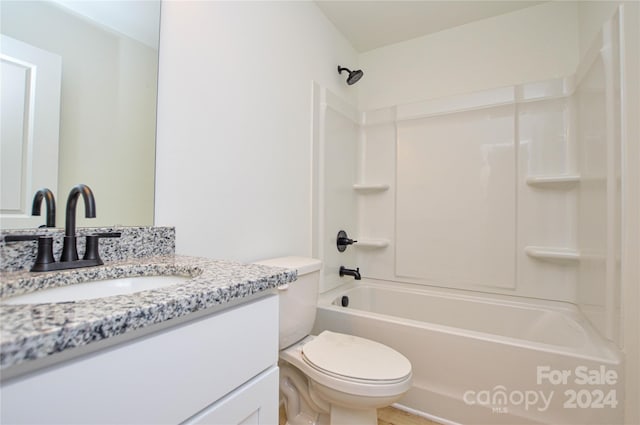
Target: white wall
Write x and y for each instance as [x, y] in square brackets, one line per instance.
[234, 145]
[532, 44]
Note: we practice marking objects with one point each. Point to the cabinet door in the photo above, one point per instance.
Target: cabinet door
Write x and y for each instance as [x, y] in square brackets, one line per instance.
[254, 403]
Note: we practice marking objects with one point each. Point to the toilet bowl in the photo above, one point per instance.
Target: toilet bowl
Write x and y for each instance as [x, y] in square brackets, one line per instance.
[347, 377]
[331, 378]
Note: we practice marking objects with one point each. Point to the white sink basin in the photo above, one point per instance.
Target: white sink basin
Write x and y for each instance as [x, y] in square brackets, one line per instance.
[96, 289]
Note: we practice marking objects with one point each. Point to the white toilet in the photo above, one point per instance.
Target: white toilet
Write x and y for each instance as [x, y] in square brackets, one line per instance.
[331, 378]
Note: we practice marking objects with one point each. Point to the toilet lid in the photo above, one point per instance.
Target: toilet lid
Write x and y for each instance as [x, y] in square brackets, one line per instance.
[356, 358]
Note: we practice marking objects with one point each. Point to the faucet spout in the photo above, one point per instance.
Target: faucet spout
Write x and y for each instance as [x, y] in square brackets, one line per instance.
[69, 248]
[72, 201]
[50, 201]
[350, 272]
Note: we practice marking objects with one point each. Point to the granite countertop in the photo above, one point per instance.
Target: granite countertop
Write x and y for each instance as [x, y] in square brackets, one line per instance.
[35, 331]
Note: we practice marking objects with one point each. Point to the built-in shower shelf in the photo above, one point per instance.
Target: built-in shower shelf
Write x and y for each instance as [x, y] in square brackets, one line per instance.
[369, 188]
[554, 181]
[552, 254]
[372, 243]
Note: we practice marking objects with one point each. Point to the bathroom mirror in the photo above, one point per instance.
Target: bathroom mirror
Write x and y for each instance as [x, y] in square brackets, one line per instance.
[107, 82]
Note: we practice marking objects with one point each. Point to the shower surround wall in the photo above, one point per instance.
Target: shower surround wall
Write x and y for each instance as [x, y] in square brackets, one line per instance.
[487, 53]
[597, 102]
[511, 191]
[474, 191]
[481, 192]
[336, 130]
[508, 190]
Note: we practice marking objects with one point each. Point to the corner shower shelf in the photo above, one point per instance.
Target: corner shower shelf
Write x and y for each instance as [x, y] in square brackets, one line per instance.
[552, 254]
[554, 181]
[369, 188]
[372, 243]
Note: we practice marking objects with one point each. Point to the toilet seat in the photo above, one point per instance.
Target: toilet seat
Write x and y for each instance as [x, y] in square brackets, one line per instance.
[351, 364]
[353, 358]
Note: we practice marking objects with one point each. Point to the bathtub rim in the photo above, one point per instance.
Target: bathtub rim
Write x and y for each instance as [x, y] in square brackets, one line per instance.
[601, 350]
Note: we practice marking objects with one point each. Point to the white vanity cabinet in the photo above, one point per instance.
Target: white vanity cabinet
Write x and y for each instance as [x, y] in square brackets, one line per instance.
[252, 404]
[218, 369]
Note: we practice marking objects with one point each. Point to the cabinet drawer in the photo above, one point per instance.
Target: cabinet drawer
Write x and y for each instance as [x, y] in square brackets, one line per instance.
[164, 377]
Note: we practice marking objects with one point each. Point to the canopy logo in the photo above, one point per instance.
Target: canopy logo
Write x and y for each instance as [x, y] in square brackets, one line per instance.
[588, 389]
[499, 398]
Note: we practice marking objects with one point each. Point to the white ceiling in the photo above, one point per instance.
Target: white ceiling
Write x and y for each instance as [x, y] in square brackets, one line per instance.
[369, 24]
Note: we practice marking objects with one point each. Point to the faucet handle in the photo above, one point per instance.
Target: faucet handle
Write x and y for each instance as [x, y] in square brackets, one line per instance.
[92, 251]
[342, 241]
[108, 234]
[21, 238]
[44, 256]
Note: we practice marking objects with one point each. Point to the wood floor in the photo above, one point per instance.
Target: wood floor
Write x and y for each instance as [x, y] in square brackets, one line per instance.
[386, 416]
[391, 416]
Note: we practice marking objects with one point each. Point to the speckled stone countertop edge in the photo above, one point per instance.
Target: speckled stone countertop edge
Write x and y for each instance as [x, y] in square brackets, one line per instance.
[35, 331]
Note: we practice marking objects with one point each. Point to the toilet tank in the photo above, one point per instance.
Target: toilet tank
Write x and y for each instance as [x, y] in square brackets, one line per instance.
[299, 299]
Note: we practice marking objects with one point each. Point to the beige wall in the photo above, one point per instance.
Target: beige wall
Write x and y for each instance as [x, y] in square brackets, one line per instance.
[107, 129]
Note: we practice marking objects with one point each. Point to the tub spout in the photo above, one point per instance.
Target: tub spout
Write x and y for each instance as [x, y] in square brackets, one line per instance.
[350, 272]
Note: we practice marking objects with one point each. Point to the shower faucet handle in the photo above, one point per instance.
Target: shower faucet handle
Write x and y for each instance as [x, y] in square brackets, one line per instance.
[343, 241]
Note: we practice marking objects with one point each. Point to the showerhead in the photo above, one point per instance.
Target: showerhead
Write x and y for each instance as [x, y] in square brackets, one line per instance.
[354, 76]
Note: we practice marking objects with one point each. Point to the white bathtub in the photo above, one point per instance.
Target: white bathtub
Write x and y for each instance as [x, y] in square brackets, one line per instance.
[480, 359]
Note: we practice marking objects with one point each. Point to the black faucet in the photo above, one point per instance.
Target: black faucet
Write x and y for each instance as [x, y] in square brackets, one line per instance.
[342, 241]
[50, 200]
[350, 272]
[69, 258]
[69, 247]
